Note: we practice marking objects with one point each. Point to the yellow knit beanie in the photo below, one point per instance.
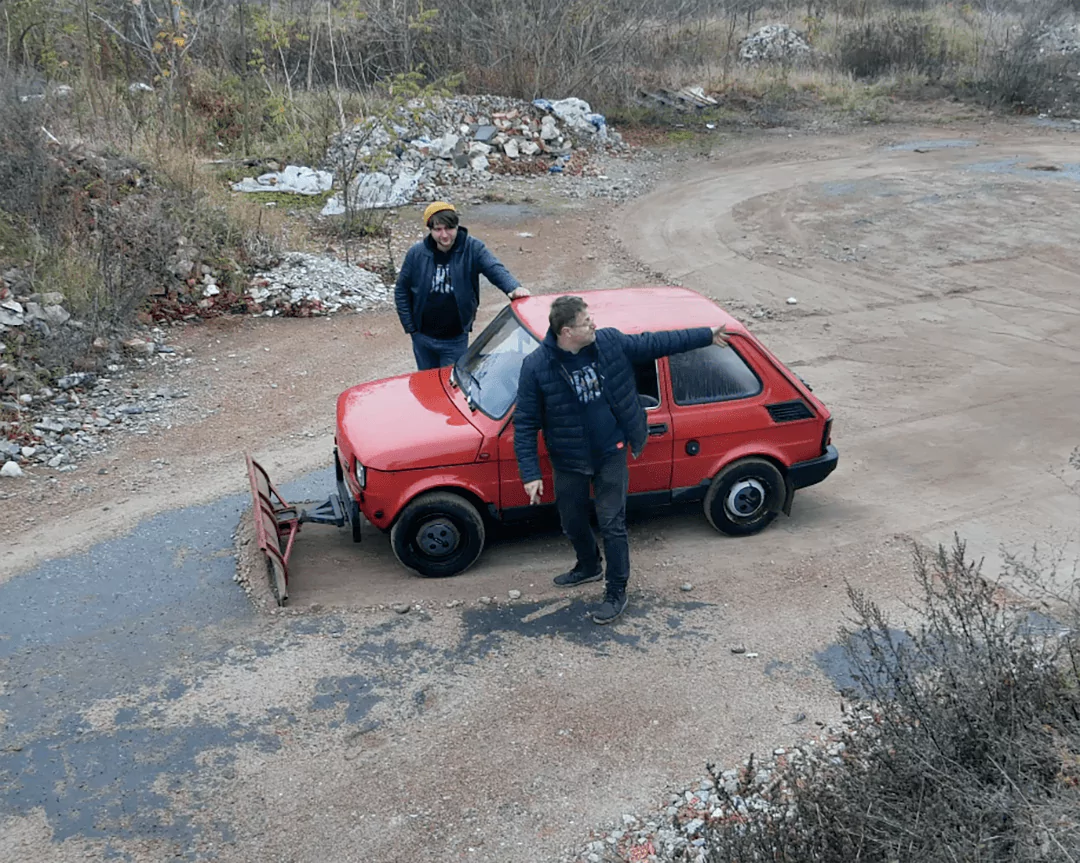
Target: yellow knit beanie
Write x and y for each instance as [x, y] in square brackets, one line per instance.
[436, 207]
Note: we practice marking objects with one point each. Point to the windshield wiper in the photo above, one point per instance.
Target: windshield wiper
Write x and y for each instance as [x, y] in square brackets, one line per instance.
[469, 396]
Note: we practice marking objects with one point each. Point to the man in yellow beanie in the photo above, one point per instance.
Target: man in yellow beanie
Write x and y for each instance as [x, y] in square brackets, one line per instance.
[438, 288]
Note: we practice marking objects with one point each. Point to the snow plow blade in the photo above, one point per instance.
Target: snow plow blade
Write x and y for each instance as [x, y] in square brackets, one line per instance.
[277, 522]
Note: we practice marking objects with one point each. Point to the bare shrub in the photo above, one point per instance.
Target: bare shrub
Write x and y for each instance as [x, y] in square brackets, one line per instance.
[963, 745]
[896, 43]
[28, 174]
[1028, 79]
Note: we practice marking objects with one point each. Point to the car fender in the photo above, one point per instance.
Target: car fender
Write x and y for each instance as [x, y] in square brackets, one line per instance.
[783, 502]
[442, 481]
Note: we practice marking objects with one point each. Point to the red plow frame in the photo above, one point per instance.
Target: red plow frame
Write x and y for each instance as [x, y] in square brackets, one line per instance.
[277, 522]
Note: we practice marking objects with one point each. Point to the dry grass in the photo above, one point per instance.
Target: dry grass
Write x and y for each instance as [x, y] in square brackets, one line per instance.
[863, 55]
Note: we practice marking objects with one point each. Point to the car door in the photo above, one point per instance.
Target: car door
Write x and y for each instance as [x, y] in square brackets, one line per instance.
[650, 474]
[511, 489]
[717, 398]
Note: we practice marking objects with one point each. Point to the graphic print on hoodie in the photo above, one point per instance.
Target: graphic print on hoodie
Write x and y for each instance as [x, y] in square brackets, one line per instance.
[441, 319]
[605, 436]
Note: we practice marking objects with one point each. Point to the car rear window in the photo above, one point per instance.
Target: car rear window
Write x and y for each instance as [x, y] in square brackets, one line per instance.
[712, 374]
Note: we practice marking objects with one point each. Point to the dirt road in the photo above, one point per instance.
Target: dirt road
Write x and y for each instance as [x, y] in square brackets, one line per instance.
[149, 711]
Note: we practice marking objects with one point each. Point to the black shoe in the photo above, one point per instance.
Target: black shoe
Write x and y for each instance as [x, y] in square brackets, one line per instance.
[614, 604]
[575, 577]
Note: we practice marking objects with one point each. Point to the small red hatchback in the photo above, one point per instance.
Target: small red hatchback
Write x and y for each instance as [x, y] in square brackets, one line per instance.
[429, 456]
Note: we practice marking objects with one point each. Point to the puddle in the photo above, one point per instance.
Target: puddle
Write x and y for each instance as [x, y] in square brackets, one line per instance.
[489, 626]
[501, 213]
[1029, 169]
[863, 188]
[855, 670]
[944, 144]
[843, 669]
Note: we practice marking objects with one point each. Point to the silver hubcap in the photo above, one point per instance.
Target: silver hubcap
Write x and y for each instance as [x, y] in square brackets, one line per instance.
[746, 499]
[438, 537]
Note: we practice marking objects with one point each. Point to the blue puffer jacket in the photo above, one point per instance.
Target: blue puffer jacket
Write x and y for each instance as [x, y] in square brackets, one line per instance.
[546, 399]
[468, 259]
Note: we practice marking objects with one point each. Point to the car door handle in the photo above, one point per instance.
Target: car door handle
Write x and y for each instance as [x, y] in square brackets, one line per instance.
[657, 429]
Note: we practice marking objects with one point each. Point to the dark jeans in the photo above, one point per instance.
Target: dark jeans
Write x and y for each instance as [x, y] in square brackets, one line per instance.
[610, 483]
[437, 353]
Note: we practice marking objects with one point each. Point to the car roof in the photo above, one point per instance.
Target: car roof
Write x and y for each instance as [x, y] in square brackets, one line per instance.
[634, 310]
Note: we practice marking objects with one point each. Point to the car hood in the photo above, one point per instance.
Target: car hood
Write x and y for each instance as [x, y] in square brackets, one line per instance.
[405, 423]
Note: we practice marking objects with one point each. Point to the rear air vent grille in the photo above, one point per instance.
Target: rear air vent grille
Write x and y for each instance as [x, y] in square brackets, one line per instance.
[785, 412]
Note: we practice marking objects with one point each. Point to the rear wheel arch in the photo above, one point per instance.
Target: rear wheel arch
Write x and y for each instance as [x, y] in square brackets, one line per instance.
[746, 494]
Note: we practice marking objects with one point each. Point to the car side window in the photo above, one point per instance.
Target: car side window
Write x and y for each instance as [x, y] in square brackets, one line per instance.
[648, 384]
[711, 374]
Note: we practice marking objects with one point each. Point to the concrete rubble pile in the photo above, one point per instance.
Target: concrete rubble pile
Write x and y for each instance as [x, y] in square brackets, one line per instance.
[774, 43]
[56, 427]
[294, 179]
[1061, 40]
[52, 424]
[305, 285]
[455, 140]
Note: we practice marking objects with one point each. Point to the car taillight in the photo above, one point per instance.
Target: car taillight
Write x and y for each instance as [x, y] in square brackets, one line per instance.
[826, 437]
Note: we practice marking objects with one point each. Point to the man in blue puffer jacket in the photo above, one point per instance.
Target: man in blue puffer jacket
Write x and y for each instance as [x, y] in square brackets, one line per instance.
[579, 388]
[438, 288]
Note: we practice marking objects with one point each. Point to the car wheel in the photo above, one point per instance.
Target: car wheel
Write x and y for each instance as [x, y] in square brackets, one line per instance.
[352, 507]
[744, 497]
[438, 534]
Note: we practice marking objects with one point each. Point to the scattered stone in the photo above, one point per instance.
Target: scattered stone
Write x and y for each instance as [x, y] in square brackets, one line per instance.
[12, 314]
[738, 648]
[514, 594]
[76, 379]
[791, 301]
[11, 470]
[485, 600]
[401, 607]
[454, 603]
[686, 587]
[138, 346]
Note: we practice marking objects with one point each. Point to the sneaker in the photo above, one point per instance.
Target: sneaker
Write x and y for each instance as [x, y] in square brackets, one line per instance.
[575, 577]
[613, 605]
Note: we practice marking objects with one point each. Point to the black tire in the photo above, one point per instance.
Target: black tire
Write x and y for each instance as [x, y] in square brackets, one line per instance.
[438, 534]
[354, 519]
[745, 497]
[352, 508]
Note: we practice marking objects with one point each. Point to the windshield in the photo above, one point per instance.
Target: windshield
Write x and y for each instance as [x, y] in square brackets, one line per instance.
[488, 373]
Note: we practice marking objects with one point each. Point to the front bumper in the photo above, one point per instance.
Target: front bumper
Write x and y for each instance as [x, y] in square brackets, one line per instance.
[807, 473]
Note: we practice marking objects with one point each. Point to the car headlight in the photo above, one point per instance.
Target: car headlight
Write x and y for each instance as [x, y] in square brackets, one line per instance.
[359, 473]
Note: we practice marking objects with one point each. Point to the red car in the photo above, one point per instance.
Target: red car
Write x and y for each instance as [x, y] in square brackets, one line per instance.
[429, 456]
